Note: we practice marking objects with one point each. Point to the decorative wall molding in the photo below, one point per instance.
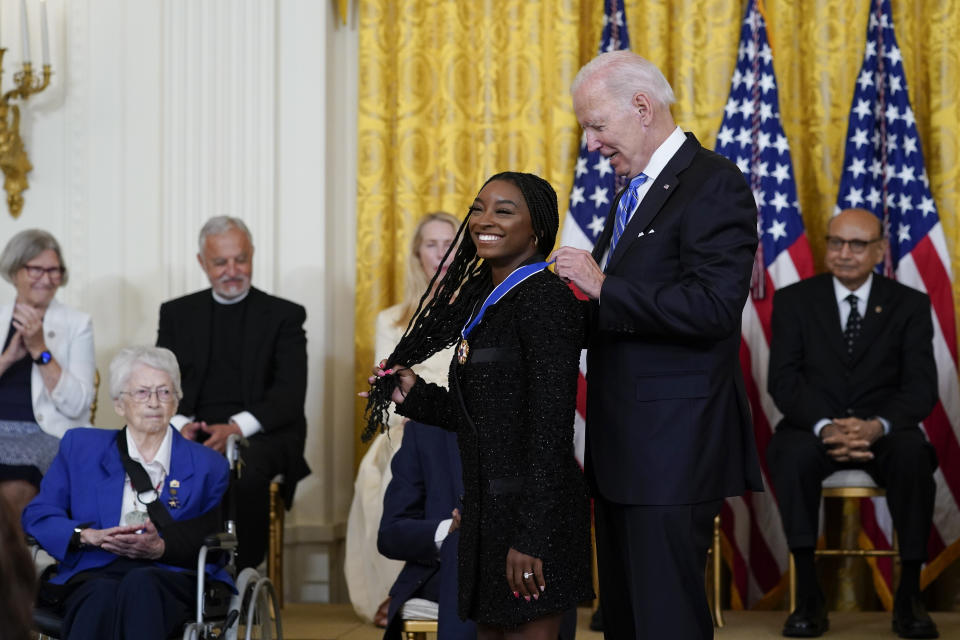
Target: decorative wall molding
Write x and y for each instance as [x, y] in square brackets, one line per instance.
[219, 128]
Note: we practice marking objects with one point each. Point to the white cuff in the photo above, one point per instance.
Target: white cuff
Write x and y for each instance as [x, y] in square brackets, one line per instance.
[817, 428]
[248, 424]
[885, 423]
[443, 529]
[179, 420]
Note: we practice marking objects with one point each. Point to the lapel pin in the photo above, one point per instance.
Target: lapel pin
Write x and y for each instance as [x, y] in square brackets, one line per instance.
[878, 309]
[665, 187]
[174, 484]
[173, 503]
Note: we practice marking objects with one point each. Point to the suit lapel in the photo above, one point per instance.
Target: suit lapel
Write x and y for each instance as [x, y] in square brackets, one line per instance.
[199, 328]
[827, 315]
[877, 306]
[253, 328]
[179, 486]
[652, 203]
[111, 486]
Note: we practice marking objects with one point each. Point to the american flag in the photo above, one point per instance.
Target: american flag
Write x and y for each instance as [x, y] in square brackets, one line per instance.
[594, 187]
[751, 135]
[883, 171]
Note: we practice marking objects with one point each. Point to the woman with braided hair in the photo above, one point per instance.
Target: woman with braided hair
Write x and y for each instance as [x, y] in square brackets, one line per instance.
[524, 555]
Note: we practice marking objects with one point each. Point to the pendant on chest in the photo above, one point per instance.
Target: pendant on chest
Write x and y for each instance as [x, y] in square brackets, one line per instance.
[463, 351]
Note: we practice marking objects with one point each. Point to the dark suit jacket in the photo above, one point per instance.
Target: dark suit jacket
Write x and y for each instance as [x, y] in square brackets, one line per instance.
[274, 365]
[667, 415]
[85, 484]
[426, 487]
[892, 373]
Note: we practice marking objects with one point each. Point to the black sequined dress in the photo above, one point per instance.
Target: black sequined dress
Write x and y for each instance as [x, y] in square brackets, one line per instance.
[512, 405]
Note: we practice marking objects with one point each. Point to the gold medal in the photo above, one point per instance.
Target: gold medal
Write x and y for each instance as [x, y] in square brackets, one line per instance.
[463, 350]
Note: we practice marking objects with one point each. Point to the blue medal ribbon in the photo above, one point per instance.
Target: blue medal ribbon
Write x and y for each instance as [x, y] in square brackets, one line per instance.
[517, 276]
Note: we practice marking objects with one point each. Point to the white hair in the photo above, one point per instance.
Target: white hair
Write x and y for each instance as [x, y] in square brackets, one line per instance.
[624, 74]
[154, 357]
[221, 224]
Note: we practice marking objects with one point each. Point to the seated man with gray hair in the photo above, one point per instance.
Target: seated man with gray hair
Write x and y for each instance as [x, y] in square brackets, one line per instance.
[243, 358]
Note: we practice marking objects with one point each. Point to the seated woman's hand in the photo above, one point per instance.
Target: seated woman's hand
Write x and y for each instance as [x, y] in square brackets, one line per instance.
[125, 541]
[525, 575]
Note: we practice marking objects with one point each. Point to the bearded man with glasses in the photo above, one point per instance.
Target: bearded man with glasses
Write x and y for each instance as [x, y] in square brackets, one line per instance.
[852, 371]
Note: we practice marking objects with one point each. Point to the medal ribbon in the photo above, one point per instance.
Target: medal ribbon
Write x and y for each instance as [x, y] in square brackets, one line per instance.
[517, 276]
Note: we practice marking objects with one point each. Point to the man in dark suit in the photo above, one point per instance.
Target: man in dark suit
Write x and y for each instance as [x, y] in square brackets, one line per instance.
[852, 370]
[417, 527]
[243, 359]
[669, 433]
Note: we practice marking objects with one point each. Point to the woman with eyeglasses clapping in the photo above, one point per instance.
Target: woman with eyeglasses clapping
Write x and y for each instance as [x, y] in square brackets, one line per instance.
[46, 364]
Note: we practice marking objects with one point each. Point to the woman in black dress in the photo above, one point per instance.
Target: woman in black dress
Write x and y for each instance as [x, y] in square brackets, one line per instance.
[524, 555]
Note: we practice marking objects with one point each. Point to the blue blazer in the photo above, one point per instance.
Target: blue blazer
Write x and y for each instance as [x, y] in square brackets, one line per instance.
[426, 486]
[85, 484]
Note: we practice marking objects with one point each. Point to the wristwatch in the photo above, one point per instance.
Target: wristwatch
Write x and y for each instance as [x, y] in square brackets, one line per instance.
[44, 358]
[75, 541]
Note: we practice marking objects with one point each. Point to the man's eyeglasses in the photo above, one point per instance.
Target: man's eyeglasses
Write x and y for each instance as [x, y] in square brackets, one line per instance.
[35, 272]
[835, 243]
[142, 395]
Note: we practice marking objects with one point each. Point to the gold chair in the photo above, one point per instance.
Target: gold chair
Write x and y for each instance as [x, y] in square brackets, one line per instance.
[418, 629]
[275, 542]
[96, 390]
[716, 563]
[848, 484]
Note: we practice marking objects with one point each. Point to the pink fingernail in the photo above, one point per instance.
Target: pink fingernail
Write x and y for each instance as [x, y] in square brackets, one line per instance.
[516, 594]
[536, 596]
[543, 587]
[527, 598]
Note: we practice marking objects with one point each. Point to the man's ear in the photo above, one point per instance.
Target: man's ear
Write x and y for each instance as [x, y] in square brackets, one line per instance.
[644, 106]
[200, 261]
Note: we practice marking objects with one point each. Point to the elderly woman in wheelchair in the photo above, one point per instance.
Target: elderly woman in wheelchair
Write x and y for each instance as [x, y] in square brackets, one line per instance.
[126, 512]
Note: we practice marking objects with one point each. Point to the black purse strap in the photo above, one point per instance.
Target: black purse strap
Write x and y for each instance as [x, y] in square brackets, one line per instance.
[159, 515]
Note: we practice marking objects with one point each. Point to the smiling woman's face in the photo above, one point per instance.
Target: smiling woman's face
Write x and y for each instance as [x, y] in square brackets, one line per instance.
[500, 224]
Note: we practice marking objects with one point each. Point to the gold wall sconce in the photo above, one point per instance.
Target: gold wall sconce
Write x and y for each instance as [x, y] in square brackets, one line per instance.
[13, 156]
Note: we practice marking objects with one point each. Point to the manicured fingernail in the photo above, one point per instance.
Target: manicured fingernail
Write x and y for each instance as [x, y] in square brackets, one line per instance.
[543, 587]
[527, 598]
[536, 596]
[516, 594]
[388, 372]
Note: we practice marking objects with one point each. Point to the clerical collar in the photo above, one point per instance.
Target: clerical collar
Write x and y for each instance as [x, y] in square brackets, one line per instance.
[223, 300]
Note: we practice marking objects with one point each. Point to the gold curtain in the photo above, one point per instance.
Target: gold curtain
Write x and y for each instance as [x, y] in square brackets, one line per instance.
[453, 91]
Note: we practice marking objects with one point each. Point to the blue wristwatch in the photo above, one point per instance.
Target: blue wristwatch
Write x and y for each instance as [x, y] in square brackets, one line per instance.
[44, 358]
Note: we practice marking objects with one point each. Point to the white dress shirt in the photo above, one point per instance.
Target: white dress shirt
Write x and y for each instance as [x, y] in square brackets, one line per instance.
[157, 469]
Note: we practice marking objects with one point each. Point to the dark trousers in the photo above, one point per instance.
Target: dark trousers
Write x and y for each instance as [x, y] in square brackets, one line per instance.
[903, 464]
[652, 561]
[262, 461]
[130, 599]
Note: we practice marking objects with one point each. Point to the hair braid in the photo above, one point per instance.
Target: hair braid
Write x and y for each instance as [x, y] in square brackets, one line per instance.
[437, 321]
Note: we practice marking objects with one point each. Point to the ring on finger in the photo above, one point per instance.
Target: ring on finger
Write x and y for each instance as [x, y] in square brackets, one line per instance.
[527, 575]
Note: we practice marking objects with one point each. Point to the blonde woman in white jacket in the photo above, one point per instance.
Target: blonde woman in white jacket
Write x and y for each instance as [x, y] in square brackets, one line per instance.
[46, 364]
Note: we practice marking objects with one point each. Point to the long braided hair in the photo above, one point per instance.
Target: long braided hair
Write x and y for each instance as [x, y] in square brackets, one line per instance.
[437, 322]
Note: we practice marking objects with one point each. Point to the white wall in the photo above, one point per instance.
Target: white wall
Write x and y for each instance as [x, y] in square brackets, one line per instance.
[162, 113]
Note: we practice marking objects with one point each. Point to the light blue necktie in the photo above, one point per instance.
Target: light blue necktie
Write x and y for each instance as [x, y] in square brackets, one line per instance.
[625, 209]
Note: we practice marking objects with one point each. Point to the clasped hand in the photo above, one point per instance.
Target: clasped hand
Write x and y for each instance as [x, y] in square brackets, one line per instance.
[125, 541]
[404, 376]
[849, 439]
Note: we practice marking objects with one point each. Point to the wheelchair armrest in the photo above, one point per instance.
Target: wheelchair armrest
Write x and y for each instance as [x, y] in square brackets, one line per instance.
[235, 444]
[221, 541]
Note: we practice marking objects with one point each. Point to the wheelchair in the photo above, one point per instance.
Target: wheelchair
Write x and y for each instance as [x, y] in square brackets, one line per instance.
[253, 612]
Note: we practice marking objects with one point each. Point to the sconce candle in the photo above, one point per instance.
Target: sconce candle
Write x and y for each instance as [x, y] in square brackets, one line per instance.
[45, 32]
[24, 31]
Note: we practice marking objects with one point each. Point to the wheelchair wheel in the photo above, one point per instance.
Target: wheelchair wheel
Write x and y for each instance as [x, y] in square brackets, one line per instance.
[262, 620]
